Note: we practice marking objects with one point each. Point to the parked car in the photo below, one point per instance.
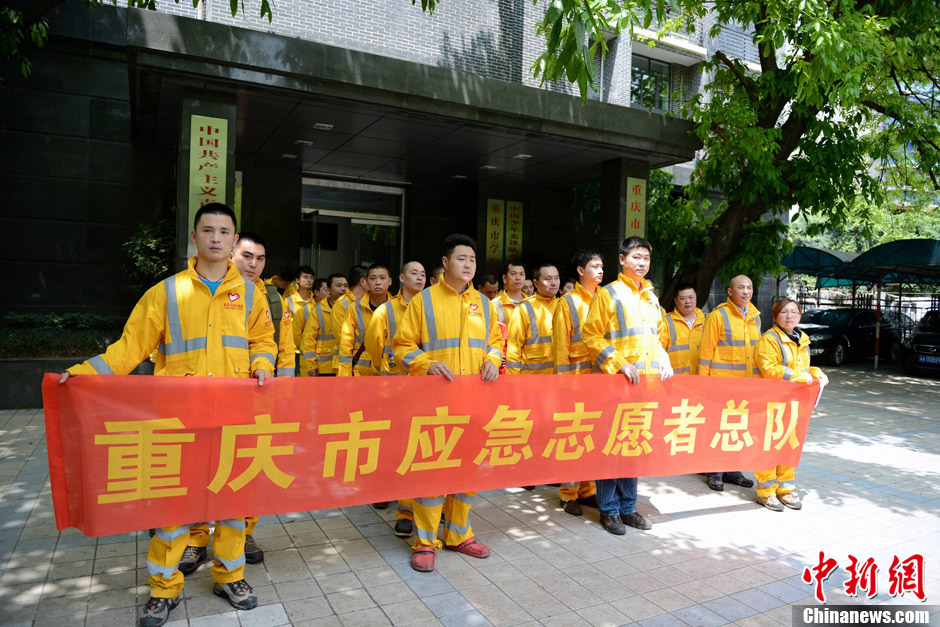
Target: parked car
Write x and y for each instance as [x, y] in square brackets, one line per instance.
[921, 352]
[840, 334]
[905, 323]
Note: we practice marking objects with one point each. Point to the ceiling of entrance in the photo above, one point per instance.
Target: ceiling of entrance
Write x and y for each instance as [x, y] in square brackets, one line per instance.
[371, 143]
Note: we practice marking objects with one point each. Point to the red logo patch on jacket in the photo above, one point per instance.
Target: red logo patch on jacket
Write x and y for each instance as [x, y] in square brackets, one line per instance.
[232, 298]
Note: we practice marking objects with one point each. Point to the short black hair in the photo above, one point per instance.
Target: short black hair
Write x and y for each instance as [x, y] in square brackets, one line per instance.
[335, 275]
[569, 280]
[320, 283]
[489, 277]
[305, 270]
[513, 262]
[583, 258]
[285, 273]
[630, 244]
[248, 236]
[379, 266]
[685, 285]
[538, 269]
[357, 274]
[215, 208]
[454, 240]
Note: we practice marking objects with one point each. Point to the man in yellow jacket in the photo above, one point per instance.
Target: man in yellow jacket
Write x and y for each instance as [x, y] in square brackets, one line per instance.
[206, 321]
[301, 303]
[353, 356]
[378, 342]
[570, 355]
[681, 334]
[319, 342]
[340, 309]
[449, 330]
[529, 347]
[727, 350]
[511, 295]
[622, 335]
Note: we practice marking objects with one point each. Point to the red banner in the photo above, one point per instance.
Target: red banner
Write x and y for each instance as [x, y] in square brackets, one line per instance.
[135, 452]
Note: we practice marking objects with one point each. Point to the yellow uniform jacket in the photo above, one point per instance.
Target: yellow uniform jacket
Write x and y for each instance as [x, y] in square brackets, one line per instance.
[504, 307]
[300, 311]
[728, 339]
[229, 334]
[779, 357]
[352, 337]
[529, 349]
[285, 345]
[381, 331]
[340, 309]
[319, 341]
[622, 326]
[458, 330]
[570, 353]
[682, 341]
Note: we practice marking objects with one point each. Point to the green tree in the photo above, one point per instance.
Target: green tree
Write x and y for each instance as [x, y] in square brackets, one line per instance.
[843, 83]
[20, 29]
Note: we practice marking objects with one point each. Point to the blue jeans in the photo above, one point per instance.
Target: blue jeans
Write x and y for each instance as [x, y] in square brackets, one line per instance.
[617, 496]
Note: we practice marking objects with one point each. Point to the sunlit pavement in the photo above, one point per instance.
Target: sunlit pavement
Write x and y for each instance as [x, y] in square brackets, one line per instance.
[869, 478]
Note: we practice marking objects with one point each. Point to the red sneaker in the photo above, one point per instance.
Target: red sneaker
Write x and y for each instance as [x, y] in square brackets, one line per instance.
[422, 560]
[471, 547]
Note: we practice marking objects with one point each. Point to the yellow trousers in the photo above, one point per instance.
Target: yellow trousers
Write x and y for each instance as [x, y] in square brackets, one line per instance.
[406, 509]
[455, 509]
[779, 480]
[166, 550]
[199, 534]
[574, 490]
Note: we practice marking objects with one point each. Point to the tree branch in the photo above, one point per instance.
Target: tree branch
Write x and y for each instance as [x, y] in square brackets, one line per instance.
[744, 80]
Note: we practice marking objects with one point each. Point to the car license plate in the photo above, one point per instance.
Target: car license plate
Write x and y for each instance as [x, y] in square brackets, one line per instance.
[929, 359]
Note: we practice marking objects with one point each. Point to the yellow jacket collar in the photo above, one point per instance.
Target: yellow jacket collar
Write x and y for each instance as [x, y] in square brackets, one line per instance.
[231, 273]
[586, 295]
[752, 311]
[644, 284]
[446, 287]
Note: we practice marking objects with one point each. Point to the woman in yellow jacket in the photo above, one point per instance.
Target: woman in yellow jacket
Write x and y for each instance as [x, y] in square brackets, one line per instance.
[783, 353]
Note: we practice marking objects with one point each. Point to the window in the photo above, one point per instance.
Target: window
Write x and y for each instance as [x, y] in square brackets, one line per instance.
[649, 83]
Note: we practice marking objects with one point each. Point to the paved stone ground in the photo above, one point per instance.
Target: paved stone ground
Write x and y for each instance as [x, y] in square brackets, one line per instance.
[870, 480]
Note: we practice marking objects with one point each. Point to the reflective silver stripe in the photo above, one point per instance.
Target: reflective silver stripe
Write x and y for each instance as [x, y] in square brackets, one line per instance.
[755, 370]
[705, 362]
[767, 484]
[234, 341]
[306, 311]
[429, 316]
[290, 305]
[424, 534]
[164, 571]
[324, 358]
[310, 355]
[436, 345]
[249, 301]
[285, 372]
[605, 354]
[578, 365]
[682, 370]
[494, 351]
[540, 366]
[184, 346]
[360, 323]
[327, 338]
[100, 365]
[625, 332]
[319, 311]
[783, 351]
[787, 374]
[234, 523]
[575, 320]
[455, 528]
[426, 501]
[486, 318]
[392, 327]
[178, 345]
[390, 374]
[673, 338]
[534, 337]
[499, 312]
[231, 565]
[463, 497]
[268, 356]
[640, 365]
[787, 485]
[514, 364]
[618, 306]
[410, 357]
[729, 335]
[677, 348]
[363, 363]
[476, 343]
[345, 359]
[404, 508]
[720, 366]
[170, 535]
